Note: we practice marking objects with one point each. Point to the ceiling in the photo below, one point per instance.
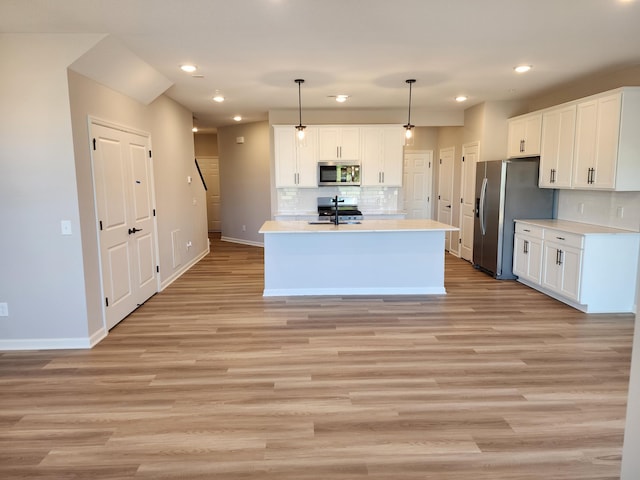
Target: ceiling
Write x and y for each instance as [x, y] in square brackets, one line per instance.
[251, 51]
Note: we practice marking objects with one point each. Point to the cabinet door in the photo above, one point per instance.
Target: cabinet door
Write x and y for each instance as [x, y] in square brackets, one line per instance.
[285, 156]
[392, 156]
[571, 260]
[533, 129]
[552, 269]
[372, 151]
[597, 134]
[307, 159]
[328, 143]
[608, 131]
[527, 258]
[520, 256]
[350, 143]
[524, 136]
[339, 143]
[556, 150]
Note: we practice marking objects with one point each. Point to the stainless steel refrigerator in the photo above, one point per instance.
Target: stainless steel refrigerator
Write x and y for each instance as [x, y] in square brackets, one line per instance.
[505, 190]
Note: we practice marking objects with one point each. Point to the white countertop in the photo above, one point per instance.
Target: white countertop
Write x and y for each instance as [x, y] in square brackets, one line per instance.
[575, 227]
[398, 225]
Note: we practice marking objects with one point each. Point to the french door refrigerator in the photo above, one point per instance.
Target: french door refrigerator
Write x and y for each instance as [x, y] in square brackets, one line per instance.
[505, 190]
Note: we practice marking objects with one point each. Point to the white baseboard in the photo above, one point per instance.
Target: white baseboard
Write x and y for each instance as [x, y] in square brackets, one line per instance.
[339, 292]
[241, 241]
[165, 283]
[52, 343]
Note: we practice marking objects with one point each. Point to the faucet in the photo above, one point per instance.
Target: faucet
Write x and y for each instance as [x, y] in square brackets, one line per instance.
[335, 201]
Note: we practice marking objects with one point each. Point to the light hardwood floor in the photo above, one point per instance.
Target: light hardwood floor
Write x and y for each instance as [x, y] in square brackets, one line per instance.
[209, 380]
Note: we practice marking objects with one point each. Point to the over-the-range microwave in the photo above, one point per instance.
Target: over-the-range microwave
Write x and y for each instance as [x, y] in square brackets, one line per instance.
[336, 173]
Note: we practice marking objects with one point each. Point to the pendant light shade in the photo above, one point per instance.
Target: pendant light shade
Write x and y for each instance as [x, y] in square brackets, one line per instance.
[408, 128]
[300, 128]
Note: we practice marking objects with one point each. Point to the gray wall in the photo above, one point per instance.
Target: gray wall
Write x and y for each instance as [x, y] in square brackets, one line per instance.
[51, 282]
[245, 187]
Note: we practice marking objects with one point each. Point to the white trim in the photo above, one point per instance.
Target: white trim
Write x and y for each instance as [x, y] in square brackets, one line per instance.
[97, 337]
[46, 344]
[182, 271]
[241, 241]
[340, 292]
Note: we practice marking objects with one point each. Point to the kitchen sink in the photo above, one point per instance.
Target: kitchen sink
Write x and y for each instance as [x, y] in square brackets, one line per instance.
[348, 222]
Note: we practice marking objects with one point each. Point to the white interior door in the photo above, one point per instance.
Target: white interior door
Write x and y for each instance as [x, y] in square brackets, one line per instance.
[445, 190]
[418, 168]
[209, 166]
[470, 154]
[123, 180]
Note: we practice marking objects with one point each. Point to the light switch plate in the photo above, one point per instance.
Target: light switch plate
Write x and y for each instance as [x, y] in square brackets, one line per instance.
[4, 309]
[65, 227]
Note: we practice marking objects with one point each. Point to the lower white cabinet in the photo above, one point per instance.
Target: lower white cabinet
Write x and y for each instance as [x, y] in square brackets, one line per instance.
[589, 267]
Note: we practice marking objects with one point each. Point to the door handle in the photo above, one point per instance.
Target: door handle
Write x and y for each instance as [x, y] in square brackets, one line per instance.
[134, 230]
[483, 201]
[448, 206]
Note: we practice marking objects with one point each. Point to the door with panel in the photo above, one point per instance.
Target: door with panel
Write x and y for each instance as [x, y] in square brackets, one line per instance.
[445, 192]
[417, 184]
[470, 154]
[123, 181]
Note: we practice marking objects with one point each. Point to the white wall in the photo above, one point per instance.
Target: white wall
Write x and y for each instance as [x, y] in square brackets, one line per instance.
[41, 271]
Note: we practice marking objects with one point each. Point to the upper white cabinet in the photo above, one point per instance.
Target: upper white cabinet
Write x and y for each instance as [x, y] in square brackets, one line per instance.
[382, 155]
[524, 135]
[339, 143]
[556, 150]
[607, 142]
[296, 164]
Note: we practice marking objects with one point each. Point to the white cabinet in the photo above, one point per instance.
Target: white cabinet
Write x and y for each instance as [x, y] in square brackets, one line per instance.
[562, 263]
[295, 164]
[524, 135]
[589, 267]
[597, 132]
[339, 143]
[382, 151]
[556, 149]
[527, 253]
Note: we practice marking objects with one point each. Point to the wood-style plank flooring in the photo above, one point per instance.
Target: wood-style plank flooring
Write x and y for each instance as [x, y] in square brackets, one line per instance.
[209, 380]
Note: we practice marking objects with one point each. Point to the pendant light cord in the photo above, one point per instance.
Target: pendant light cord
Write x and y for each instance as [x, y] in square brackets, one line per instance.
[299, 82]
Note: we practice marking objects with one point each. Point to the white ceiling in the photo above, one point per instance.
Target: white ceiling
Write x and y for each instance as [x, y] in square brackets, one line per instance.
[252, 50]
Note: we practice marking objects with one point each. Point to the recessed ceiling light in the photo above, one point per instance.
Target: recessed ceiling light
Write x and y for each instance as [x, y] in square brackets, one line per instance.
[188, 68]
[461, 98]
[341, 98]
[522, 68]
[194, 129]
[218, 98]
[237, 118]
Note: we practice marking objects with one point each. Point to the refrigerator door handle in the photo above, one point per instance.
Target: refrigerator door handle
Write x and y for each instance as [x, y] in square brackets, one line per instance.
[483, 201]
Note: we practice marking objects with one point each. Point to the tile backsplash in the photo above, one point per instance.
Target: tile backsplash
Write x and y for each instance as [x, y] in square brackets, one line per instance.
[370, 199]
[610, 209]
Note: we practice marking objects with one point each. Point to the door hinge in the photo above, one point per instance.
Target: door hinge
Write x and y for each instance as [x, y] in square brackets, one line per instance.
[100, 225]
[106, 301]
[463, 159]
[157, 268]
[429, 164]
[154, 212]
[149, 153]
[438, 197]
[440, 161]
[94, 144]
[460, 241]
[461, 200]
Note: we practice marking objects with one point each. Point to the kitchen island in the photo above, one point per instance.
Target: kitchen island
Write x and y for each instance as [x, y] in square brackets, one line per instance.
[372, 257]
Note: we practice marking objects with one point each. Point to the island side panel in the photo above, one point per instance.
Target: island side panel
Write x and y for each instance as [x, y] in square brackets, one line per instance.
[354, 263]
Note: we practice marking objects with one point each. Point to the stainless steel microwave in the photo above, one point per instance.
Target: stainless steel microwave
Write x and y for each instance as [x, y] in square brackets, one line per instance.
[336, 173]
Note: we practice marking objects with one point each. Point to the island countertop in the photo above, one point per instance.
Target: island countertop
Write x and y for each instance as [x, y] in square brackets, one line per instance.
[391, 225]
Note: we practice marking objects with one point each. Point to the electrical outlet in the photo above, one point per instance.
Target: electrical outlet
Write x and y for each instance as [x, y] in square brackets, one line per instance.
[620, 212]
[244, 228]
[65, 227]
[581, 208]
[4, 309]
[189, 245]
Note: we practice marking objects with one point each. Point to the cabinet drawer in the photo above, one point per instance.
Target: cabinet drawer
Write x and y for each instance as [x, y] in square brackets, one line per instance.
[563, 238]
[527, 229]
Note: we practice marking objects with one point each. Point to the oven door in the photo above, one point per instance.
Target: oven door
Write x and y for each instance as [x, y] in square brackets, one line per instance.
[328, 173]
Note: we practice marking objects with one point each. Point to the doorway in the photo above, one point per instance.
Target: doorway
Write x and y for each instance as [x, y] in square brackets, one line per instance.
[445, 192]
[418, 174]
[470, 155]
[125, 208]
[210, 168]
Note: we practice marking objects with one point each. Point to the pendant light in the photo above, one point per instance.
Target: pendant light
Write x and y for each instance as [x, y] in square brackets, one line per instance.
[408, 128]
[300, 128]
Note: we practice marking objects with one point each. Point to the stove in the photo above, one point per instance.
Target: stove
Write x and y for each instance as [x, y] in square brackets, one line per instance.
[347, 209]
